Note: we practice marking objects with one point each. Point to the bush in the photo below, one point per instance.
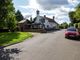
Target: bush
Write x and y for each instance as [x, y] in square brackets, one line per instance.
[78, 25]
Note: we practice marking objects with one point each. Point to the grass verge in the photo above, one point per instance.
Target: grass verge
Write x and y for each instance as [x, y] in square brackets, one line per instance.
[8, 38]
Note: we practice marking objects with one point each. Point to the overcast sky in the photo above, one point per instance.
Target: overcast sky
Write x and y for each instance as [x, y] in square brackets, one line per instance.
[57, 8]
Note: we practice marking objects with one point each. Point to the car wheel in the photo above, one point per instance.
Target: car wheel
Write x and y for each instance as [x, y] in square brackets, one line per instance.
[66, 36]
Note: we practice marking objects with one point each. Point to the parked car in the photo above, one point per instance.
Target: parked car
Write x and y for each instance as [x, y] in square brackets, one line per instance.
[79, 31]
[72, 32]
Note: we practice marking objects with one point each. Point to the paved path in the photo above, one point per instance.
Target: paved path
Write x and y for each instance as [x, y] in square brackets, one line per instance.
[48, 46]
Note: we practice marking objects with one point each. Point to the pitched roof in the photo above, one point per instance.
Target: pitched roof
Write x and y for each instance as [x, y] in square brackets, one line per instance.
[51, 20]
[22, 21]
[27, 21]
[47, 18]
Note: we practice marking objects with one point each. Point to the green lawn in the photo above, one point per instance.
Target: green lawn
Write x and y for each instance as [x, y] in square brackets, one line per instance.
[9, 38]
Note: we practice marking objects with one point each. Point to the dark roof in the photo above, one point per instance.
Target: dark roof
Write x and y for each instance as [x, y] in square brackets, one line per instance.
[49, 19]
[23, 21]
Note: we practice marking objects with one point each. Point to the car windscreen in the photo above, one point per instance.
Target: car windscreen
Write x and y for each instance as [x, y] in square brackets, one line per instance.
[71, 29]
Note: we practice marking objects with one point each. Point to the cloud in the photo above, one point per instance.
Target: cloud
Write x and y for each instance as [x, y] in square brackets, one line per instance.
[66, 9]
[50, 8]
[62, 18]
[51, 4]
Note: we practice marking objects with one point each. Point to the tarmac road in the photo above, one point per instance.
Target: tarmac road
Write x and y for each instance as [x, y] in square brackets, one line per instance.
[48, 46]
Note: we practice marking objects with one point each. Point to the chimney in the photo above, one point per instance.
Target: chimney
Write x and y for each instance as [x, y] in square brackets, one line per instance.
[53, 17]
[37, 12]
[44, 16]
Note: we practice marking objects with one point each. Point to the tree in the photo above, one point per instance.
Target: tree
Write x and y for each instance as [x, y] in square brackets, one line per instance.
[7, 15]
[71, 16]
[76, 25]
[75, 15]
[71, 24]
[63, 25]
[60, 26]
[78, 6]
[3, 12]
[19, 16]
[11, 21]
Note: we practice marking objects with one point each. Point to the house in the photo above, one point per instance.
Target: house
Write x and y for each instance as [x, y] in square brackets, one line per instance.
[44, 22]
[24, 25]
[39, 22]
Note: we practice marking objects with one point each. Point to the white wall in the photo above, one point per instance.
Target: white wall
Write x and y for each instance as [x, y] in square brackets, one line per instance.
[38, 19]
[50, 24]
[47, 23]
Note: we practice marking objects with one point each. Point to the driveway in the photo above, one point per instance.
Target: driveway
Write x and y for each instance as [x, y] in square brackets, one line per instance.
[48, 46]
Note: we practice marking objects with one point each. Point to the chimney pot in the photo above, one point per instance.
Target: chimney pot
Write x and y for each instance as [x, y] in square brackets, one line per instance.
[44, 15]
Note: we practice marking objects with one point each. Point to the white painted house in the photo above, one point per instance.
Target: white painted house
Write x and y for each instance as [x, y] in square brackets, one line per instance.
[44, 22]
[38, 23]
